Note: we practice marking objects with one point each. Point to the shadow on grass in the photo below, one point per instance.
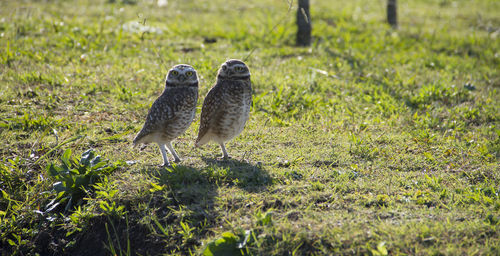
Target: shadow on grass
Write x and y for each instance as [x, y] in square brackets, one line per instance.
[250, 177]
[190, 188]
[184, 207]
[179, 211]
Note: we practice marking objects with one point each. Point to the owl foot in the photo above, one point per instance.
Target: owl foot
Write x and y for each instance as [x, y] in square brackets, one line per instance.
[225, 155]
[224, 158]
[165, 165]
[171, 149]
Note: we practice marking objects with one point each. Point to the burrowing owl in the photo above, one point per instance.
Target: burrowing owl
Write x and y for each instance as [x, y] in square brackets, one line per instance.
[172, 113]
[227, 105]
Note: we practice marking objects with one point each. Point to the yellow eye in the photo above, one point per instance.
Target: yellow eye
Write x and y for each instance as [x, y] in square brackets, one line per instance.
[239, 69]
[174, 72]
[189, 73]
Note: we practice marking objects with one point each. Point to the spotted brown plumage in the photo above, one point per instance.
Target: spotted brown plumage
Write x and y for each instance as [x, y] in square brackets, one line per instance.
[172, 112]
[226, 107]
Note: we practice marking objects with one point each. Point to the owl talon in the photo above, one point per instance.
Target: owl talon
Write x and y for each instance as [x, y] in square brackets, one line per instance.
[224, 158]
[165, 165]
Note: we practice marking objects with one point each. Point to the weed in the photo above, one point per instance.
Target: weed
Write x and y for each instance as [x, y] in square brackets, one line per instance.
[76, 175]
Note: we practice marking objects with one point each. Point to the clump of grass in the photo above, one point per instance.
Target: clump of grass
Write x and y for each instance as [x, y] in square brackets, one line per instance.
[29, 122]
[75, 176]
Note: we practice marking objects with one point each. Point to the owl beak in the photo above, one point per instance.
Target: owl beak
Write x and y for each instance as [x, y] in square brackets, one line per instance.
[182, 77]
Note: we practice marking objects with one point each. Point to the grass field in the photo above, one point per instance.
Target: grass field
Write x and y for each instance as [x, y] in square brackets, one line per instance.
[371, 141]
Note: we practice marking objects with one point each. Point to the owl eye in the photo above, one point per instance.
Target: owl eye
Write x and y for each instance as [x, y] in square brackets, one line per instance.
[224, 67]
[238, 68]
[174, 72]
[189, 73]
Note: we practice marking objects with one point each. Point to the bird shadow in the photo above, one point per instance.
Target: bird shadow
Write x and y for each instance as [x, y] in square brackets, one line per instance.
[245, 175]
[186, 194]
[189, 186]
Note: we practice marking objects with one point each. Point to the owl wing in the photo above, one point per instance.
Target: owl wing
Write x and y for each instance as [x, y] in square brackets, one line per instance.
[159, 115]
[209, 111]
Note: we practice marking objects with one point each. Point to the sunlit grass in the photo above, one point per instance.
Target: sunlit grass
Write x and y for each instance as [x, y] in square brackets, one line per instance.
[371, 141]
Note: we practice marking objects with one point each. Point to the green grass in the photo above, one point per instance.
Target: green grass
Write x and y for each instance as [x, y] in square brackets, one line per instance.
[371, 141]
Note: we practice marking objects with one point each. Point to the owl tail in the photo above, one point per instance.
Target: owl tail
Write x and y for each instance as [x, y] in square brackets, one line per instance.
[137, 140]
[138, 144]
[201, 141]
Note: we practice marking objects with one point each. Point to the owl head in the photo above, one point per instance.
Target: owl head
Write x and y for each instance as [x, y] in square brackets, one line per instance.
[233, 69]
[182, 75]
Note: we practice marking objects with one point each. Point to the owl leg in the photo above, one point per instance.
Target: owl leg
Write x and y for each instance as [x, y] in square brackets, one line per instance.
[164, 154]
[224, 151]
[172, 151]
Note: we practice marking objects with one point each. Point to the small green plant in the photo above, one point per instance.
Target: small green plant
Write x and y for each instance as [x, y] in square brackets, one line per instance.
[106, 192]
[76, 175]
[438, 93]
[78, 219]
[238, 244]
[11, 175]
[111, 207]
[31, 122]
[228, 244]
[111, 244]
[264, 219]
[186, 232]
[380, 250]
